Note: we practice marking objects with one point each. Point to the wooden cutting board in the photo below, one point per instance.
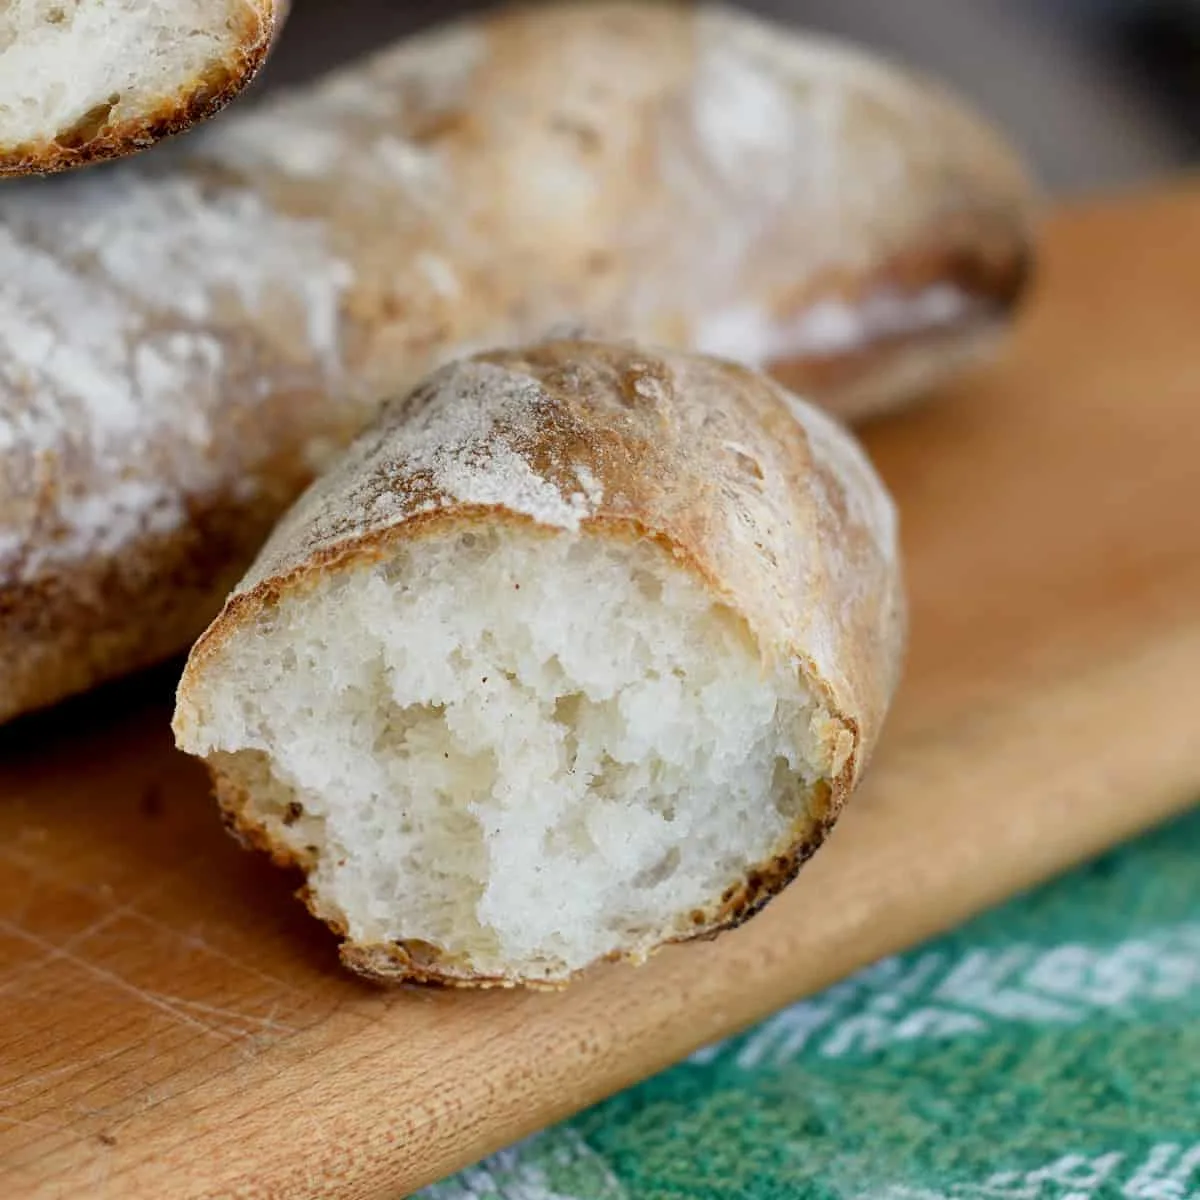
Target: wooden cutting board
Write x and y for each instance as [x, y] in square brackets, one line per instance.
[172, 1024]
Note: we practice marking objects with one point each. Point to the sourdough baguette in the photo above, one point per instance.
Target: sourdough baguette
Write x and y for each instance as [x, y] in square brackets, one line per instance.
[96, 79]
[580, 649]
[184, 342]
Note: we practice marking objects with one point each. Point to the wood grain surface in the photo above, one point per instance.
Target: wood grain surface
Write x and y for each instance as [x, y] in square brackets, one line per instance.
[173, 1025]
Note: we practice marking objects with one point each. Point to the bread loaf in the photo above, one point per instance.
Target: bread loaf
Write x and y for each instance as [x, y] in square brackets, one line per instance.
[92, 79]
[580, 649]
[185, 341]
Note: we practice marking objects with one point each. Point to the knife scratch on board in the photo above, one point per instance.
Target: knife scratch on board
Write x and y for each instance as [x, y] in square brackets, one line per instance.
[191, 940]
[165, 1004]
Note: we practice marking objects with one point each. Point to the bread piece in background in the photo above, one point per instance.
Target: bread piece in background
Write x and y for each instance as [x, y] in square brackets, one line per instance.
[184, 341]
[580, 649]
[86, 80]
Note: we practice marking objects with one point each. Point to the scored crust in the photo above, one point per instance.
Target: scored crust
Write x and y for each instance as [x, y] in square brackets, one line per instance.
[98, 135]
[768, 503]
[691, 177]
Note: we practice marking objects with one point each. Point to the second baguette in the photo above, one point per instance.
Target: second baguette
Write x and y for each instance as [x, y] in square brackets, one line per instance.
[184, 344]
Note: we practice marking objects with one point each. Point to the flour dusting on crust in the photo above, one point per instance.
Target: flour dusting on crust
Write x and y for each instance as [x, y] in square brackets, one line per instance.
[464, 439]
[118, 297]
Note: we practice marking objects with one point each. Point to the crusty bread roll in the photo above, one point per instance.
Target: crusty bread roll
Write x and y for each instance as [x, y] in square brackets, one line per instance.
[580, 649]
[184, 342]
[84, 80]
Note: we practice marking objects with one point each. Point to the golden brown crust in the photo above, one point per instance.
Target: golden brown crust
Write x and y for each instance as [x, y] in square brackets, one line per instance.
[993, 274]
[67, 626]
[581, 164]
[766, 501]
[94, 137]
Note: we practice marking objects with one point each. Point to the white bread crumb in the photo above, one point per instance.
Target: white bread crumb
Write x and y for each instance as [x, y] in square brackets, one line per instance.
[527, 748]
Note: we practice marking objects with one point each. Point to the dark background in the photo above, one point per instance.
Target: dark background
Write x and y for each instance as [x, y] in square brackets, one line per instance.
[1099, 93]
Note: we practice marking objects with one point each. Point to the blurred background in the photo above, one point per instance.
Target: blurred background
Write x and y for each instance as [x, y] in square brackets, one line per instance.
[1099, 93]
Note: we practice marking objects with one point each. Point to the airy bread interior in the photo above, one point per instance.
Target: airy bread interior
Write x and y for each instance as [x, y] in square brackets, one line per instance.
[525, 749]
[68, 67]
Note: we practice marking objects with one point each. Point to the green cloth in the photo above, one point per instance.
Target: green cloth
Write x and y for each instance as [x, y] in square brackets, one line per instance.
[1049, 1050]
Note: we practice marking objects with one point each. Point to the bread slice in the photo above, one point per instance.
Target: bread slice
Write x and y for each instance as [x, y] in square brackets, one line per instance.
[186, 339]
[84, 80]
[579, 650]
